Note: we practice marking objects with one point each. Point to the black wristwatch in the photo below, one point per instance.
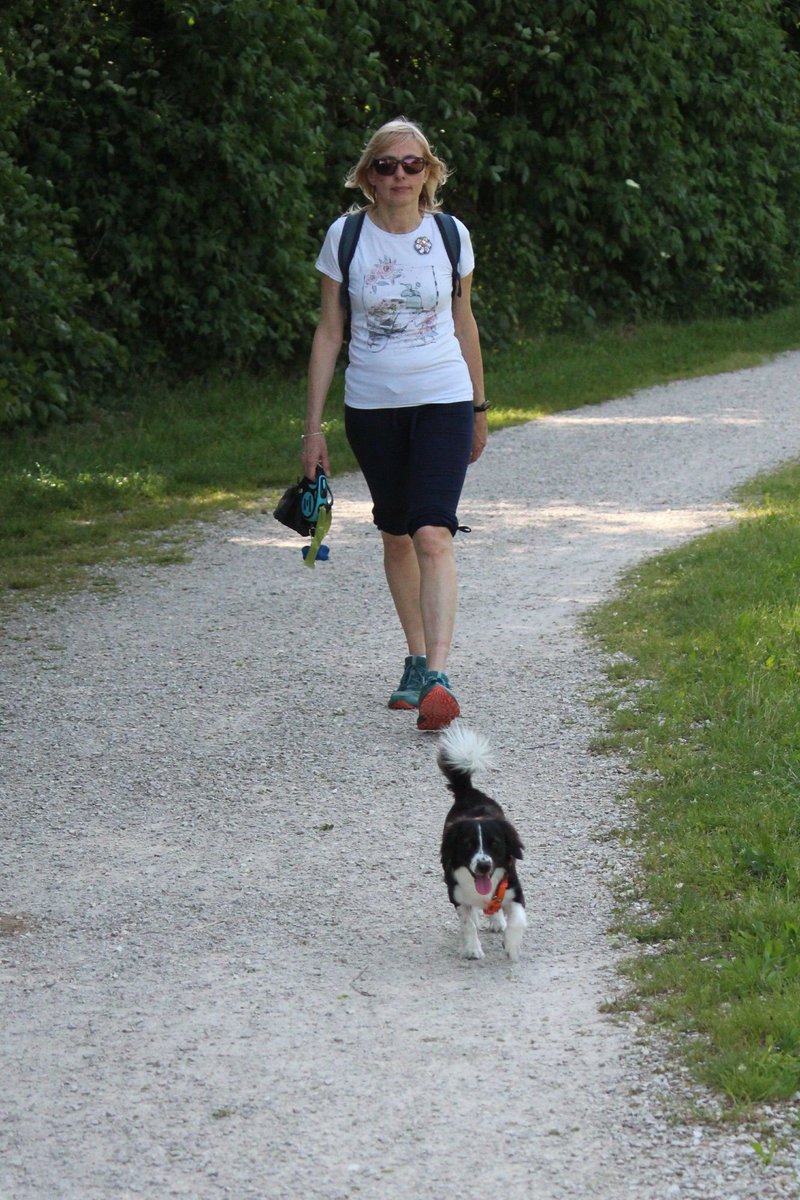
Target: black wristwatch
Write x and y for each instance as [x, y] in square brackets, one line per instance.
[481, 407]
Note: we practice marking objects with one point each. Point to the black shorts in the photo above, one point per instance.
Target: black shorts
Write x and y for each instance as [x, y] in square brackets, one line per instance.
[414, 461]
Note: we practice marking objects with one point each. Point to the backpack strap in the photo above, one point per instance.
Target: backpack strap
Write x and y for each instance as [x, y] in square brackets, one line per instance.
[452, 244]
[351, 232]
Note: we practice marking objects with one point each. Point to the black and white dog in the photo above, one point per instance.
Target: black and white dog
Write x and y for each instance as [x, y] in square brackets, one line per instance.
[479, 848]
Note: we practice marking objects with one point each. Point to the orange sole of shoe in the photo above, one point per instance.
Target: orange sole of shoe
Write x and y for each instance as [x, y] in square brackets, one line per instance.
[437, 710]
[402, 705]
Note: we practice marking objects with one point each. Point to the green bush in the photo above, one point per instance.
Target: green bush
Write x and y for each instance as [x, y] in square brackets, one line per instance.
[184, 136]
[52, 361]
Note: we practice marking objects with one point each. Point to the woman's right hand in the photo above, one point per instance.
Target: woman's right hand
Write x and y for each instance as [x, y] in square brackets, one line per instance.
[314, 453]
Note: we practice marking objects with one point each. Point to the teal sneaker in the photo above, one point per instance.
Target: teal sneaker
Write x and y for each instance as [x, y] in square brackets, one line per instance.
[437, 705]
[407, 693]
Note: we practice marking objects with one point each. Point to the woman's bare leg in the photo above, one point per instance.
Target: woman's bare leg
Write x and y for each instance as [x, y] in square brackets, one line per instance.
[403, 576]
[438, 591]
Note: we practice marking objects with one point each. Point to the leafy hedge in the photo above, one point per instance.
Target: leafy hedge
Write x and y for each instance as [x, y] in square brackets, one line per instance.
[181, 141]
[49, 352]
[167, 167]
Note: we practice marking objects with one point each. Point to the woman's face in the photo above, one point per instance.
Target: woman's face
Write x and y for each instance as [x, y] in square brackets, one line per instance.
[399, 190]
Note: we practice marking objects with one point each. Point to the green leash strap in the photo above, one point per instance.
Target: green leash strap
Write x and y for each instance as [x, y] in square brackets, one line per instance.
[323, 525]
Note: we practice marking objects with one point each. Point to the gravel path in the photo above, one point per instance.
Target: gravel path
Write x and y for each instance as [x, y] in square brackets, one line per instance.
[233, 970]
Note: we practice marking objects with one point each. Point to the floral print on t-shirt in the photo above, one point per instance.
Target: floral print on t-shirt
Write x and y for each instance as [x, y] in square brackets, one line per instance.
[400, 304]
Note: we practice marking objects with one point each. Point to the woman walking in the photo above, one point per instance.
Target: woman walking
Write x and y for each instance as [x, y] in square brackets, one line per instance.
[415, 413]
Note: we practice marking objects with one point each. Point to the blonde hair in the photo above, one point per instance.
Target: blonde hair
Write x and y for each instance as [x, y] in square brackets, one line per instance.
[401, 127]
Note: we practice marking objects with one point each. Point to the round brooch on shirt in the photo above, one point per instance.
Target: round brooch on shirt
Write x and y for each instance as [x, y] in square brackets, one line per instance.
[423, 245]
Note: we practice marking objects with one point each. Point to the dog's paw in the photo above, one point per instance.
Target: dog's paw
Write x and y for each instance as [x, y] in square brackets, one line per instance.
[496, 923]
[512, 938]
[475, 951]
[512, 943]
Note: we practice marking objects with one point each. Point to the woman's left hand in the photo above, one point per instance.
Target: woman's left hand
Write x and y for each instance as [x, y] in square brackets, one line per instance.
[480, 436]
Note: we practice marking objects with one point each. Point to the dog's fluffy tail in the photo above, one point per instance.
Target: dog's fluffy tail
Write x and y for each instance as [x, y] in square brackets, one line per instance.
[461, 754]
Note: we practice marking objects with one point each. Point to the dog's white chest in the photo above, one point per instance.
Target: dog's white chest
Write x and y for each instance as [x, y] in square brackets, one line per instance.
[465, 891]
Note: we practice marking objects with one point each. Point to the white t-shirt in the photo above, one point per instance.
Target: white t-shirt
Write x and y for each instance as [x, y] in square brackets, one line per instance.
[403, 347]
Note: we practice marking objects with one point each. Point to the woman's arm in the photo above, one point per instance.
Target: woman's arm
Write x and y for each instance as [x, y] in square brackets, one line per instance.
[469, 340]
[324, 351]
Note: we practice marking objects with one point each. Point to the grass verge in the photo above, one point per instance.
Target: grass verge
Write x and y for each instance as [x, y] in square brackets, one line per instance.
[129, 481]
[704, 700]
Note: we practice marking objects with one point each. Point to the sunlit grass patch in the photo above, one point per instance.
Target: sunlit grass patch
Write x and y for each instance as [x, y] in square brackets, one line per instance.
[704, 701]
[52, 490]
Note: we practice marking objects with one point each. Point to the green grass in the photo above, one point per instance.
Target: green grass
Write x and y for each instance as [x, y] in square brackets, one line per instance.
[130, 481]
[704, 700]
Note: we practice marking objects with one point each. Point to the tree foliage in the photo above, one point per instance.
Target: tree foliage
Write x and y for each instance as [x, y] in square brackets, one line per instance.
[167, 167]
[49, 352]
[180, 140]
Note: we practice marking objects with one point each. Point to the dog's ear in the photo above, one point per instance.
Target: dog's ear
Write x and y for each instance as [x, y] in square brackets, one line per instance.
[515, 846]
[455, 846]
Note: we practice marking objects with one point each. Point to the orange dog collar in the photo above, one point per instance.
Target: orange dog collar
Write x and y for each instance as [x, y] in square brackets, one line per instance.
[496, 902]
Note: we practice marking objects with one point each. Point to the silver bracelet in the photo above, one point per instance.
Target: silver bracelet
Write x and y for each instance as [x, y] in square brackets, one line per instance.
[316, 433]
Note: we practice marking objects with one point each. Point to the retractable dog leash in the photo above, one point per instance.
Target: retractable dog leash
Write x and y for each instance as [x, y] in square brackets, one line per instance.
[306, 507]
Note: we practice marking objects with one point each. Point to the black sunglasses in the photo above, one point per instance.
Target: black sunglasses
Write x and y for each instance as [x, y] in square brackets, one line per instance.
[411, 164]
